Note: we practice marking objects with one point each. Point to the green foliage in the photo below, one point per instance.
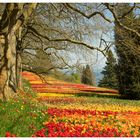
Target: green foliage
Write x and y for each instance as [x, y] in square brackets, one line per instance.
[109, 79]
[27, 88]
[127, 46]
[88, 76]
[132, 92]
[74, 77]
[97, 95]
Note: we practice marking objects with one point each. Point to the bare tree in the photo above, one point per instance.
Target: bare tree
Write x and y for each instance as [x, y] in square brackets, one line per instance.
[13, 17]
[60, 31]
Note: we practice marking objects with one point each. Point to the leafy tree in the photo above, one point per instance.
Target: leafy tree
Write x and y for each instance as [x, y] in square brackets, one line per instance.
[87, 76]
[75, 77]
[109, 79]
[127, 48]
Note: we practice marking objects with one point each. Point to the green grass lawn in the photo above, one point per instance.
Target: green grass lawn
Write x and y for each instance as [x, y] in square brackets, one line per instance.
[21, 117]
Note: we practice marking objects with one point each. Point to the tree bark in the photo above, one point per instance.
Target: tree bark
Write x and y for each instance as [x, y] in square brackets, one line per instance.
[13, 17]
[19, 71]
[8, 82]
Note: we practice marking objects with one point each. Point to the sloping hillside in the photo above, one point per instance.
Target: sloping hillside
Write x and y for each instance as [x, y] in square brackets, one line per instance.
[52, 85]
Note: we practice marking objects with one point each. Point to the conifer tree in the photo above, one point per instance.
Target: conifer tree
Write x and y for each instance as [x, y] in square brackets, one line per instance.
[109, 79]
[127, 45]
[88, 76]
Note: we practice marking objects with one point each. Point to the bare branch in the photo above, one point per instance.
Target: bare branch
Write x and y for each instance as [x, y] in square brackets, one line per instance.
[62, 60]
[129, 11]
[66, 39]
[90, 15]
[119, 23]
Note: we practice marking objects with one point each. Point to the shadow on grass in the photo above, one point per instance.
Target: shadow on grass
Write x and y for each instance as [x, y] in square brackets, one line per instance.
[103, 95]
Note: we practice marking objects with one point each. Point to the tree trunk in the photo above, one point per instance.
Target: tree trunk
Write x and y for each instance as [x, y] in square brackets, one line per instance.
[8, 82]
[19, 71]
[13, 17]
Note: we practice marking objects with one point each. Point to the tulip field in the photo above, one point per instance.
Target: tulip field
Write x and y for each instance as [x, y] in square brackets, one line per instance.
[73, 116]
[52, 85]
[87, 117]
[69, 115]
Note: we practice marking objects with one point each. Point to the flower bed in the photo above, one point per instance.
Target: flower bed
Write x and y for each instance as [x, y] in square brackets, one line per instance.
[54, 100]
[57, 86]
[90, 123]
